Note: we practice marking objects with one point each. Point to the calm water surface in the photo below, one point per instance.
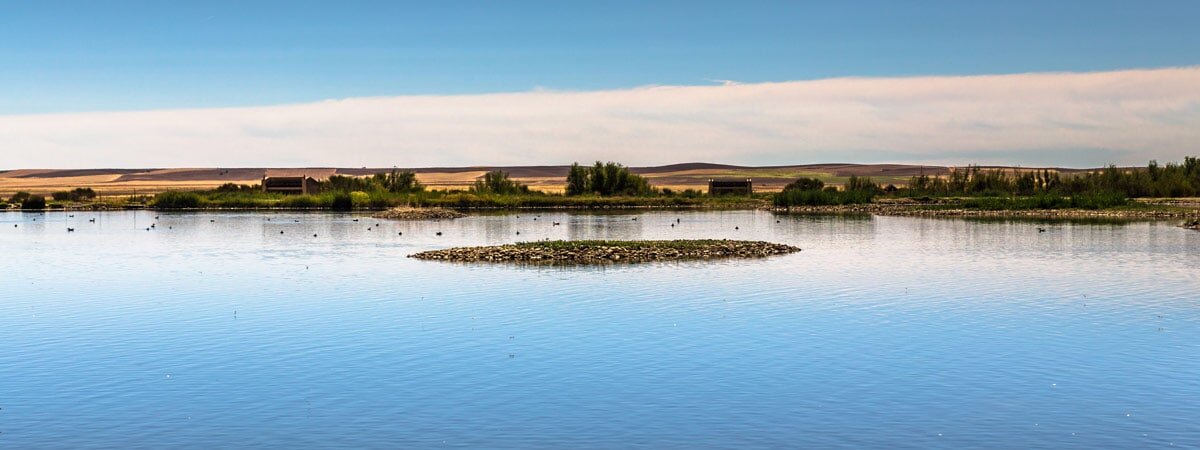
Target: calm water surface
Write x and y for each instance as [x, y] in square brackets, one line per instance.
[218, 331]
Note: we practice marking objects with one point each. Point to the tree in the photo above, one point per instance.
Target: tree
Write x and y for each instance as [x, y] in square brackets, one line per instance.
[577, 180]
[497, 182]
[805, 184]
[34, 202]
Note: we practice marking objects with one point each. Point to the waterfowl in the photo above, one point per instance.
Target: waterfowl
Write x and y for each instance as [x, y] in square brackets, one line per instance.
[439, 233]
[70, 230]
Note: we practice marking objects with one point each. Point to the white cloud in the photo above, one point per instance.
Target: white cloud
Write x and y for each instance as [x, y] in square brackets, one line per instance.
[1040, 118]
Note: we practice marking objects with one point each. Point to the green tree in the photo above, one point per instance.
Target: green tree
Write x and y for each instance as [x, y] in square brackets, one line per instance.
[498, 182]
[805, 184]
[577, 180]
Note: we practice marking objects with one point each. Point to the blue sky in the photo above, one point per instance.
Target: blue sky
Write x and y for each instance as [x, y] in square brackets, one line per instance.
[69, 56]
[391, 83]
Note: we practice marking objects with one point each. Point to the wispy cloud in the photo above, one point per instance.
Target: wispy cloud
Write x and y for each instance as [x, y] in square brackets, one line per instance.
[1040, 118]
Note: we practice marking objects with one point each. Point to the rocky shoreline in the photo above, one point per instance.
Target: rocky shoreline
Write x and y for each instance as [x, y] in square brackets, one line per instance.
[409, 213]
[607, 252]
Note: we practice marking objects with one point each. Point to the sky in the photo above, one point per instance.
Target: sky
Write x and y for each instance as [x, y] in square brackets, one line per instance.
[391, 83]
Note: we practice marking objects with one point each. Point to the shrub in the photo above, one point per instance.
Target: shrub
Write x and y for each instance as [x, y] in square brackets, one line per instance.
[18, 197]
[497, 182]
[33, 202]
[822, 197]
[74, 195]
[177, 200]
[342, 202]
[805, 184]
[606, 179]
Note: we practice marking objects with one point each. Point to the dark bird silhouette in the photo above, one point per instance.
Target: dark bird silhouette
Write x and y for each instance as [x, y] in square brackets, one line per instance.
[280, 231]
[401, 234]
[70, 230]
[92, 220]
[314, 235]
[356, 220]
[635, 218]
[672, 225]
[556, 224]
[439, 233]
[518, 233]
[736, 228]
[1041, 230]
[212, 220]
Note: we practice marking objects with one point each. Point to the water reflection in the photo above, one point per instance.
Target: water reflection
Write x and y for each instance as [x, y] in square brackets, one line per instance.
[214, 329]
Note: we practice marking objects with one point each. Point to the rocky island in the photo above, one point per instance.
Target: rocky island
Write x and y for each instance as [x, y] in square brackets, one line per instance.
[605, 252]
[411, 213]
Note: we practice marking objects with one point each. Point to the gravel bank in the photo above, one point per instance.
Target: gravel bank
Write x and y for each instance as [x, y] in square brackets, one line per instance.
[605, 252]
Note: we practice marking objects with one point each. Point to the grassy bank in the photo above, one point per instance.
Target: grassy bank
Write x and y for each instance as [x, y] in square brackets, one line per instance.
[378, 200]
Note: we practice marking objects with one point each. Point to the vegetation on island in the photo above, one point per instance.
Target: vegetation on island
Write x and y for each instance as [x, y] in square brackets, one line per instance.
[1012, 189]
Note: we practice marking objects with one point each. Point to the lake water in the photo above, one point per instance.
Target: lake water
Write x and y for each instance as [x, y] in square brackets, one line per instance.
[217, 331]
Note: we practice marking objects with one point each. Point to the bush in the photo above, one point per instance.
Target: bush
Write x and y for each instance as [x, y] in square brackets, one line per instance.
[177, 200]
[342, 202]
[302, 201]
[1099, 200]
[74, 195]
[822, 197]
[18, 197]
[805, 184]
[33, 202]
[497, 182]
[606, 179]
